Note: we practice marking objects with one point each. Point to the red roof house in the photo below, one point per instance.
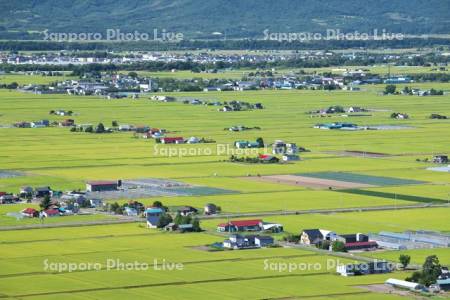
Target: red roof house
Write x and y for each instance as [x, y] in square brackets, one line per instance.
[51, 213]
[241, 225]
[172, 140]
[29, 212]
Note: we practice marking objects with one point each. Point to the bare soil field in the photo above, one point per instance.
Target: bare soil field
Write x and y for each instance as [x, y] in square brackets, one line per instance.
[309, 182]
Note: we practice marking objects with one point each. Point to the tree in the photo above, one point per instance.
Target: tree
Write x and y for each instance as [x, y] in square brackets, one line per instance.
[100, 128]
[338, 246]
[114, 207]
[46, 202]
[407, 90]
[260, 142]
[404, 260]
[325, 245]
[89, 129]
[114, 124]
[133, 74]
[157, 204]
[291, 238]
[164, 220]
[12, 86]
[431, 270]
[196, 225]
[178, 219]
[390, 89]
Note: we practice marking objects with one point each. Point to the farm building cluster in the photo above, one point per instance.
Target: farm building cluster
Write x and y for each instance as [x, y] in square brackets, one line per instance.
[337, 109]
[249, 225]
[147, 187]
[383, 240]
[350, 242]
[411, 240]
[238, 240]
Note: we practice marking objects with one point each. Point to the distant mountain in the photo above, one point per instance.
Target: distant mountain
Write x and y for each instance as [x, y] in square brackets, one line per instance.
[220, 18]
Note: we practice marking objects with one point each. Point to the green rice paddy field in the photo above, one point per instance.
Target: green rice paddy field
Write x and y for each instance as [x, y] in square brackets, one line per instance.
[64, 160]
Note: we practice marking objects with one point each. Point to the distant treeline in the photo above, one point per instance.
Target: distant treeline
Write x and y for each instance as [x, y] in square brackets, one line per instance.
[242, 44]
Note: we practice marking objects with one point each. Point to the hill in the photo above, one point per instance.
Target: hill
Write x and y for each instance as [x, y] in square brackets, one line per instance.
[233, 18]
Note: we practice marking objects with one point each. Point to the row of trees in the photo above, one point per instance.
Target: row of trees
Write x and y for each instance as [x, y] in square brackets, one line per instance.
[100, 128]
[243, 44]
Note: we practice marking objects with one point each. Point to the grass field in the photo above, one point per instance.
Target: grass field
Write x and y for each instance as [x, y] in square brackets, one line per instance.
[31, 79]
[65, 161]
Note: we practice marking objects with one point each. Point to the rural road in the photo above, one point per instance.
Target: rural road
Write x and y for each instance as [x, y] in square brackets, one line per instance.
[321, 211]
[125, 219]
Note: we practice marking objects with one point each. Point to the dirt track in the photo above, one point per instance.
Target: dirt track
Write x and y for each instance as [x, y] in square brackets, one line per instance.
[314, 183]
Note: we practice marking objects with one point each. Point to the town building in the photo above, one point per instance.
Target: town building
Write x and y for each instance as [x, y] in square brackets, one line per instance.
[101, 186]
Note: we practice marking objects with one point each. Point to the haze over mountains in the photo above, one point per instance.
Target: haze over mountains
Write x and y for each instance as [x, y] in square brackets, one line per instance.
[232, 18]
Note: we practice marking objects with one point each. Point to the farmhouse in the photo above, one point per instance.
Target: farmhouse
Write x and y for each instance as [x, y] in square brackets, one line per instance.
[130, 211]
[316, 236]
[41, 192]
[210, 209]
[193, 140]
[356, 241]
[246, 144]
[187, 210]
[172, 140]
[51, 213]
[236, 241]
[241, 225]
[272, 227]
[290, 157]
[22, 124]
[163, 98]
[67, 123]
[171, 227]
[225, 108]
[26, 191]
[399, 116]
[40, 124]
[440, 159]
[153, 214]
[30, 212]
[186, 228]
[280, 147]
[7, 198]
[263, 240]
[96, 202]
[377, 267]
[265, 158]
[101, 186]
[443, 281]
